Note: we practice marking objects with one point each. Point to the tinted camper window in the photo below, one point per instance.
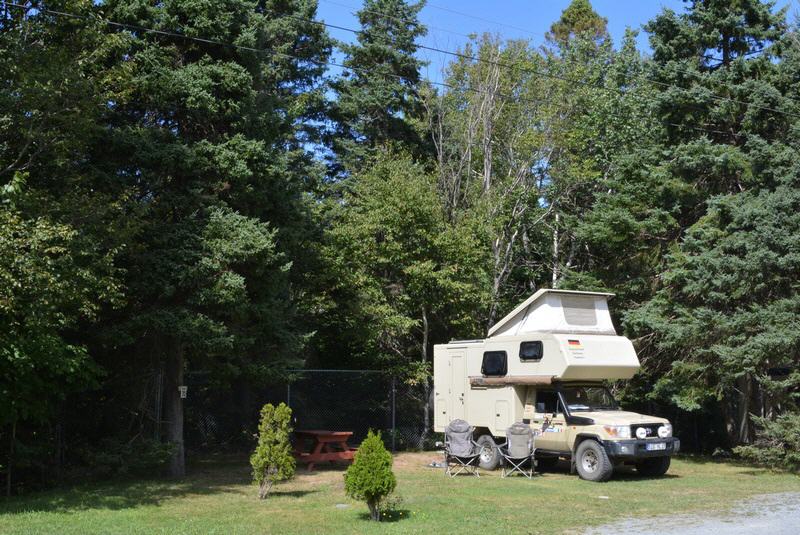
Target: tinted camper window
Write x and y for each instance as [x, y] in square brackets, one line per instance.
[531, 351]
[494, 363]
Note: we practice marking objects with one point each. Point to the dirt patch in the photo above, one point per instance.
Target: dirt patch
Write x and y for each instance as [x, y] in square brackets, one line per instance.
[415, 460]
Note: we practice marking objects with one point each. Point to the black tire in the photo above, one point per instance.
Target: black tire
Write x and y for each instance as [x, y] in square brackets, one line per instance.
[544, 464]
[490, 457]
[592, 462]
[653, 467]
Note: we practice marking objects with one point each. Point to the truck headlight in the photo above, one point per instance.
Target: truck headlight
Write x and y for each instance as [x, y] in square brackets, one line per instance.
[641, 433]
[618, 431]
[665, 431]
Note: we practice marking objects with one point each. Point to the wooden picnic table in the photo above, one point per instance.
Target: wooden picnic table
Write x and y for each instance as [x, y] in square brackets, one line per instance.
[324, 446]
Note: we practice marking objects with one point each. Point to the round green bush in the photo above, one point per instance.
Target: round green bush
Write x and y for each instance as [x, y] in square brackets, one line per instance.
[370, 477]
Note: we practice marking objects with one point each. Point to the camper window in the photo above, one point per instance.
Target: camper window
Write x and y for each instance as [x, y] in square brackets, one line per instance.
[531, 351]
[494, 363]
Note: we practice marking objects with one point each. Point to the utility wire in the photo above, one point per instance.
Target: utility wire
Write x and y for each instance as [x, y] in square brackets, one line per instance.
[489, 21]
[395, 18]
[506, 65]
[673, 69]
[504, 96]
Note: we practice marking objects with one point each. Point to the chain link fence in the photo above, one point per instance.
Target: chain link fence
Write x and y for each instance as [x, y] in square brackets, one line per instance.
[336, 400]
[360, 400]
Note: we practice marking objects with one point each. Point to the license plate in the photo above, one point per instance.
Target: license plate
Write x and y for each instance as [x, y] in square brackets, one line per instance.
[656, 446]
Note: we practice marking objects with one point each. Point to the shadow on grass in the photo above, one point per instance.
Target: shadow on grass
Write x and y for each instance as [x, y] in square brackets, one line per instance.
[748, 469]
[209, 476]
[394, 515]
[322, 467]
[621, 473]
[292, 493]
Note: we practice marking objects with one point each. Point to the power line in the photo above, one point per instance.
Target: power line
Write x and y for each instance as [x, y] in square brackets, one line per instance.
[501, 95]
[553, 76]
[395, 18]
[663, 84]
[489, 21]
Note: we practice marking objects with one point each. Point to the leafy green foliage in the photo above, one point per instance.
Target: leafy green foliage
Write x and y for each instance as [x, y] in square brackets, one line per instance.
[51, 281]
[777, 443]
[370, 477]
[402, 276]
[272, 461]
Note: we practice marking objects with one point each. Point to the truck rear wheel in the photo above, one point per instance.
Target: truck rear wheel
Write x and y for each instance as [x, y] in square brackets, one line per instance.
[592, 461]
[653, 467]
[490, 457]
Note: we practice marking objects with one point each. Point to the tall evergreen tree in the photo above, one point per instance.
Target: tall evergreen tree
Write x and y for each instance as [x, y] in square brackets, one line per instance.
[579, 20]
[714, 326]
[378, 94]
[208, 139]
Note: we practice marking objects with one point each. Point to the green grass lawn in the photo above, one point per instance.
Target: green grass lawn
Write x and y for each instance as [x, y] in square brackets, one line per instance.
[218, 498]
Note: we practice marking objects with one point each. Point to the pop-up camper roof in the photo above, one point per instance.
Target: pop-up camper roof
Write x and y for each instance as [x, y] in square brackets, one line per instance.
[580, 340]
[558, 311]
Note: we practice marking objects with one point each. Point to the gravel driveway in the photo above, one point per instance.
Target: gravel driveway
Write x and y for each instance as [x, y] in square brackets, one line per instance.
[767, 514]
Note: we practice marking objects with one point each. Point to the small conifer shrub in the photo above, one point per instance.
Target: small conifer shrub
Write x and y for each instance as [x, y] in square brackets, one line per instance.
[272, 460]
[370, 477]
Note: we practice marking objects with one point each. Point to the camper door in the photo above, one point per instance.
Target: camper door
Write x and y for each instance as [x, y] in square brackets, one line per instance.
[458, 385]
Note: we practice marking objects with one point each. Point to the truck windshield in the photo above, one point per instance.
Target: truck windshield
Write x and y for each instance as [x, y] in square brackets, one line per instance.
[589, 398]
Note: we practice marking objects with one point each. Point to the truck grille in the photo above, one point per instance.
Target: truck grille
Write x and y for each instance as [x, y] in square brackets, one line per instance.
[652, 430]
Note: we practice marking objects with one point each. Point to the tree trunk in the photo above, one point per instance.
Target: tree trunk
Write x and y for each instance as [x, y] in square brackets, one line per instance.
[264, 488]
[726, 49]
[555, 254]
[426, 418]
[374, 511]
[173, 407]
[743, 415]
[11, 457]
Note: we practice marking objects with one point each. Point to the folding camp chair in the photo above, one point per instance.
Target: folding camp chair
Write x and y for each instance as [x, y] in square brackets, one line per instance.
[518, 450]
[461, 453]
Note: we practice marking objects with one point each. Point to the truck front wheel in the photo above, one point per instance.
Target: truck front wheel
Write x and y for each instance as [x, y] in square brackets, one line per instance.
[490, 457]
[592, 461]
[654, 467]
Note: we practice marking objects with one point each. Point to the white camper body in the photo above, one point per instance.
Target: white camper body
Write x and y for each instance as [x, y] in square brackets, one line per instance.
[554, 336]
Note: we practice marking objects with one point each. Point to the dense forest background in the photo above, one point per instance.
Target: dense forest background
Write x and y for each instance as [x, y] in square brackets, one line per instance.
[198, 188]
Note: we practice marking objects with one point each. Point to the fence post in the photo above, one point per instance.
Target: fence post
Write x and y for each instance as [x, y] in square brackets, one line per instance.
[288, 394]
[394, 413]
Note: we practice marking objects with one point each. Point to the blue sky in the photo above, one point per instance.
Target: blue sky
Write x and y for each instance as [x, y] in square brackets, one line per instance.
[449, 21]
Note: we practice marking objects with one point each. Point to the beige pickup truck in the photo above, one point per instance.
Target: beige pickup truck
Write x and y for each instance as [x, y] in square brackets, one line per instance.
[546, 364]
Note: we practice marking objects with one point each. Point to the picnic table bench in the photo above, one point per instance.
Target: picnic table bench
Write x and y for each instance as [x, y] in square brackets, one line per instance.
[324, 446]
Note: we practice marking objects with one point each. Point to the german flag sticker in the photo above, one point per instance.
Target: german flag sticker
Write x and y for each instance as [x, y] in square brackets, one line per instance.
[574, 344]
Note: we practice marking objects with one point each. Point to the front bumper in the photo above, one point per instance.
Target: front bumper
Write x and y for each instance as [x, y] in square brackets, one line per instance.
[637, 449]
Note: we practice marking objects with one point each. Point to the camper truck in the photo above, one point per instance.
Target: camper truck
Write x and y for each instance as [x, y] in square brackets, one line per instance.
[547, 364]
